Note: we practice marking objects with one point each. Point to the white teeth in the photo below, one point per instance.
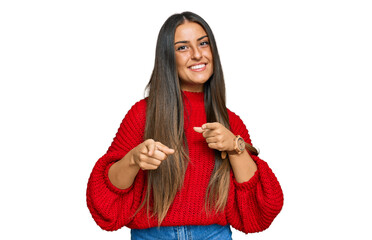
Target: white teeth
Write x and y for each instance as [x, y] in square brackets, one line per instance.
[197, 66]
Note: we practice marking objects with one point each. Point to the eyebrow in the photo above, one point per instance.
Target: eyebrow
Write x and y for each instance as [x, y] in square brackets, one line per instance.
[189, 41]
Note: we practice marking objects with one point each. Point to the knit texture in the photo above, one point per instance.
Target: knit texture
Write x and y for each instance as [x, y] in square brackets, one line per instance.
[251, 206]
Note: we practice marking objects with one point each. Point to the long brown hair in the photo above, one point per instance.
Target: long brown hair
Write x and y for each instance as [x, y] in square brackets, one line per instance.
[165, 122]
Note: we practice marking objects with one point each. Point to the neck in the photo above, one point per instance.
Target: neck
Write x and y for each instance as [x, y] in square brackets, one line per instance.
[192, 87]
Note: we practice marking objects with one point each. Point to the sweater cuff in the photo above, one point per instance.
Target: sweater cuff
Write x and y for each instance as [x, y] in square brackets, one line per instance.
[248, 185]
[100, 171]
[112, 186]
[251, 183]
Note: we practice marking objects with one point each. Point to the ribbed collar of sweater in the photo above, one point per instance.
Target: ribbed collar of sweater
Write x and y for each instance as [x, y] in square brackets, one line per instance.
[194, 98]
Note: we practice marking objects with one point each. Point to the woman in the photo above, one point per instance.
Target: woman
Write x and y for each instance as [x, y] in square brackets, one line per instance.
[181, 163]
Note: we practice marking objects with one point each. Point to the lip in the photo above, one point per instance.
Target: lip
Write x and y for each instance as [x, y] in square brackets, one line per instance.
[199, 69]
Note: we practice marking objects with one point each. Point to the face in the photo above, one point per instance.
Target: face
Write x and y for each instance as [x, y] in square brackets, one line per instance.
[193, 56]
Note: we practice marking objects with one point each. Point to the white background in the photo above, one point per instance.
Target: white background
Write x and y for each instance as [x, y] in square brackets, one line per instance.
[297, 72]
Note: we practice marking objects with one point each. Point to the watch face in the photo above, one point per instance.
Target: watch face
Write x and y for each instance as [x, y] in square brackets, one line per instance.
[241, 144]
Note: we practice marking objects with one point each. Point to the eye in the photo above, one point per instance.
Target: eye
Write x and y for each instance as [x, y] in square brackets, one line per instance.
[204, 43]
[181, 48]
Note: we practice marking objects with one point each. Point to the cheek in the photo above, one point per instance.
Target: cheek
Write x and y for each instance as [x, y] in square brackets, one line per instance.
[208, 54]
[181, 58]
[211, 63]
[180, 62]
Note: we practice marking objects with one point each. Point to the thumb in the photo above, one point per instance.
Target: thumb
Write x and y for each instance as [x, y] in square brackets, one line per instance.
[198, 129]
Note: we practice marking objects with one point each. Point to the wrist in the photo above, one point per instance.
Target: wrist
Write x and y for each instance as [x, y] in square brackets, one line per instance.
[238, 145]
[128, 160]
[234, 152]
[131, 161]
[237, 148]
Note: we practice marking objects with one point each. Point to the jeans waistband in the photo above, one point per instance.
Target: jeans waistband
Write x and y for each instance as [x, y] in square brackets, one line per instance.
[197, 232]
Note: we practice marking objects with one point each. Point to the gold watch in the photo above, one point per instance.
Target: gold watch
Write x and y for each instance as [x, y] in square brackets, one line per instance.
[239, 144]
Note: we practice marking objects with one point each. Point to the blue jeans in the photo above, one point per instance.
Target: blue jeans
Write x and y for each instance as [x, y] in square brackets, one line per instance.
[199, 232]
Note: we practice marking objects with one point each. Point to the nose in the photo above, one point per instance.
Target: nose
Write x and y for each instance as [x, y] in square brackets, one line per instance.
[196, 54]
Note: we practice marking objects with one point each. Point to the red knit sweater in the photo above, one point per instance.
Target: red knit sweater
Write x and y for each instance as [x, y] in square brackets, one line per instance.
[251, 206]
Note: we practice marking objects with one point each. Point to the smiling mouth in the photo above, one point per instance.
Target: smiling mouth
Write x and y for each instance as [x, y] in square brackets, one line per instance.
[198, 67]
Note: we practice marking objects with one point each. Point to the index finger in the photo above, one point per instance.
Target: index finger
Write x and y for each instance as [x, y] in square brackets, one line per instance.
[164, 148]
[210, 126]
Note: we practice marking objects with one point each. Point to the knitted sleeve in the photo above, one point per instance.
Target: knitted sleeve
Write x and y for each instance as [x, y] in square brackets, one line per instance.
[111, 207]
[253, 205]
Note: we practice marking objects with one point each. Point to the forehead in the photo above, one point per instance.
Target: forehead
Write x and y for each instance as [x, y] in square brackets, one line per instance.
[189, 31]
